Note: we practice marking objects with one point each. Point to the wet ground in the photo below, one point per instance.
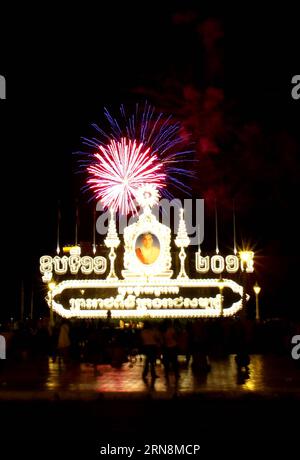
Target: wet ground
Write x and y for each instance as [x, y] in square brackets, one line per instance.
[269, 376]
[43, 401]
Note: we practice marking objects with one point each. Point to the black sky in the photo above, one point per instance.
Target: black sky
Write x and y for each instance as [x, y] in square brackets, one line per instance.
[62, 67]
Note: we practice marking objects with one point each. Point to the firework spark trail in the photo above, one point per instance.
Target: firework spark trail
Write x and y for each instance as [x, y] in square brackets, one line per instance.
[153, 148]
[120, 169]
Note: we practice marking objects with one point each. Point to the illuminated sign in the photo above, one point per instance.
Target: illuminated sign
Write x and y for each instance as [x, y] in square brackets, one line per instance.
[74, 264]
[231, 263]
[149, 285]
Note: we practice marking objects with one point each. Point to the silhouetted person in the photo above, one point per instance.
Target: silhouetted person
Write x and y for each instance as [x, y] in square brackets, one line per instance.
[242, 358]
[64, 343]
[170, 350]
[150, 344]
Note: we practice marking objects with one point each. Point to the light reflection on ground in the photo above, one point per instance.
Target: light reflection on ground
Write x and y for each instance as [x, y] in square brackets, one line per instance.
[267, 374]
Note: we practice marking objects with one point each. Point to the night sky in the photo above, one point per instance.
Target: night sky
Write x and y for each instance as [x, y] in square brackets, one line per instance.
[226, 75]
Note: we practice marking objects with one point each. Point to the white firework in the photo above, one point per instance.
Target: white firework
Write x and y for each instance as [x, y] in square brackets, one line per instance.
[147, 195]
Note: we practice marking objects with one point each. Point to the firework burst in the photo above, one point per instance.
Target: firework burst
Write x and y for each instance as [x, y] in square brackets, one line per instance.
[143, 148]
[120, 170]
[147, 195]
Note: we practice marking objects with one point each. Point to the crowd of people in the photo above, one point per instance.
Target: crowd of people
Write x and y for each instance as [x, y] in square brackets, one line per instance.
[105, 342]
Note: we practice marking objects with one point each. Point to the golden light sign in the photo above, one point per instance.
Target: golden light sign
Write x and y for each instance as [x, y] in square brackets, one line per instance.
[149, 286]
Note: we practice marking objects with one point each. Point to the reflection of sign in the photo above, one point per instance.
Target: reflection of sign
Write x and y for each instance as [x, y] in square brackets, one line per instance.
[147, 248]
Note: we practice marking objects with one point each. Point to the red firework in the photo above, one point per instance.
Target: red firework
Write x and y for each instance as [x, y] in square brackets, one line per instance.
[119, 170]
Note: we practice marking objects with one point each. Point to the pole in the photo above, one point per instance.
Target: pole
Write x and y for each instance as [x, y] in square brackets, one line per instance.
[51, 308]
[234, 231]
[22, 302]
[244, 297]
[31, 304]
[216, 223]
[257, 315]
[221, 302]
[94, 231]
[58, 230]
[76, 224]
